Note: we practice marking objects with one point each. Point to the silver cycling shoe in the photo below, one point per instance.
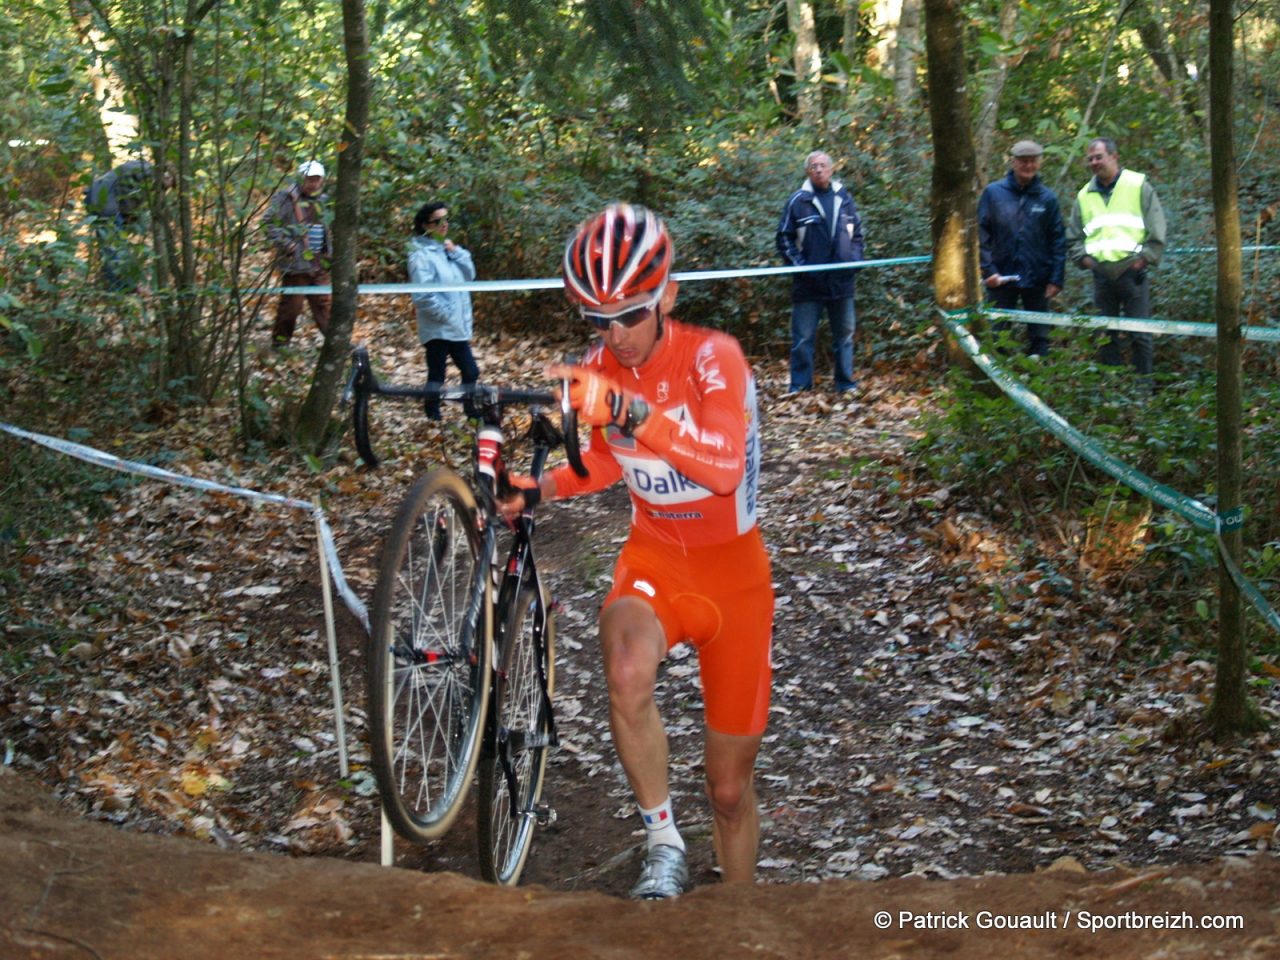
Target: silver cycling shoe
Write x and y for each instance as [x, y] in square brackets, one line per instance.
[665, 874]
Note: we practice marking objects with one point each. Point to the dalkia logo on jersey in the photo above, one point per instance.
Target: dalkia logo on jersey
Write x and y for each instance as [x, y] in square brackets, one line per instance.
[657, 482]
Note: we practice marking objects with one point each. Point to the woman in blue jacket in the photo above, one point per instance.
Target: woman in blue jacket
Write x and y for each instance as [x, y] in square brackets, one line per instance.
[444, 318]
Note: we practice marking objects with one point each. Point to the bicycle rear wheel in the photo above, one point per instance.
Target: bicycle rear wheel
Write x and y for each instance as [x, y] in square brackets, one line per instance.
[513, 767]
[429, 658]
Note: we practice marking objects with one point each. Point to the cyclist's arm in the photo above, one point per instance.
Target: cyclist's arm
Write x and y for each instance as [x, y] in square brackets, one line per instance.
[710, 447]
[602, 471]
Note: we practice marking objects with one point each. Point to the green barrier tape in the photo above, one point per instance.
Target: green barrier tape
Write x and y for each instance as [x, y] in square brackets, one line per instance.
[1192, 510]
[1269, 616]
[1247, 249]
[1144, 325]
[1232, 519]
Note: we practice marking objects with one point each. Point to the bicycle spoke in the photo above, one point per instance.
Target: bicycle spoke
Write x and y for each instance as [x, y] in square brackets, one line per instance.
[428, 685]
[511, 784]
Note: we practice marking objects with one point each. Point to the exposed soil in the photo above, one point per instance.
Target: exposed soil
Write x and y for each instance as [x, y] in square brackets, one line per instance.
[78, 889]
[954, 730]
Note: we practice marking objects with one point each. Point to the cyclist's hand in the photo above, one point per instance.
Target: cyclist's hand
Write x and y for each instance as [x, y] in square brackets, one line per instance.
[515, 502]
[597, 398]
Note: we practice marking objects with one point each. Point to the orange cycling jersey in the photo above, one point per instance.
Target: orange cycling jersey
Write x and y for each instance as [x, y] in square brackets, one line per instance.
[693, 469]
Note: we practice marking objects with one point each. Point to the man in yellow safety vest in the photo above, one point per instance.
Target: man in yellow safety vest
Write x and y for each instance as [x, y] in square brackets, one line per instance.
[1117, 231]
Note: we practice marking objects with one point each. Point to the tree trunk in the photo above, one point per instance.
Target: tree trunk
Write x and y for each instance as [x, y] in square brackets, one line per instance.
[884, 26]
[1087, 120]
[989, 117]
[849, 37]
[807, 60]
[119, 128]
[905, 85]
[952, 205]
[1179, 88]
[849, 46]
[314, 425]
[1231, 711]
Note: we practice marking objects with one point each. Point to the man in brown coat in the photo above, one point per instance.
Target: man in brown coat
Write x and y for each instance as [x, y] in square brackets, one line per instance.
[304, 250]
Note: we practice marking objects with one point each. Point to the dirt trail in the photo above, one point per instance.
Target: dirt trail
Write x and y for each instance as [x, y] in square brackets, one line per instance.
[78, 889]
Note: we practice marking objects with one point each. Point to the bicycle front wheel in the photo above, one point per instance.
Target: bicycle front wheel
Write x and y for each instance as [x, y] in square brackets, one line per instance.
[429, 657]
[513, 768]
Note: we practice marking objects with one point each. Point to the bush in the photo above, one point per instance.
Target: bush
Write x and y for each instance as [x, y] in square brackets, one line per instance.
[981, 441]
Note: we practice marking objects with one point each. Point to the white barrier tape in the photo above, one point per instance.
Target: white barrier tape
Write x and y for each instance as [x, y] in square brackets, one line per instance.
[111, 462]
[555, 283]
[354, 603]
[1183, 328]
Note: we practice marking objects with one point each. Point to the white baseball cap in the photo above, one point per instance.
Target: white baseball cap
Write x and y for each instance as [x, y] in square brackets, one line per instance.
[312, 168]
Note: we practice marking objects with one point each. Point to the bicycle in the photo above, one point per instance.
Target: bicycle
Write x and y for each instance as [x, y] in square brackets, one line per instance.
[461, 663]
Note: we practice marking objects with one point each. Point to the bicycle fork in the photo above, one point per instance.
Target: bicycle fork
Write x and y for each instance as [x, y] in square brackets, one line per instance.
[511, 743]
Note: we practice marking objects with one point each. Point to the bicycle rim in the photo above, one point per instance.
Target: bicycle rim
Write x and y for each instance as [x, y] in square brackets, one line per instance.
[517, 753]
[429, 658]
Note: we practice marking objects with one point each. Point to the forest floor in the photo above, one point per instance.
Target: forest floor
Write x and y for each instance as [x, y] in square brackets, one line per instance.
[962, 721]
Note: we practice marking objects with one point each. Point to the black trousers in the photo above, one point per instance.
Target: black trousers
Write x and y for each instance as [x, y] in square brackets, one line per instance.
[439, 352]
[1032, 298]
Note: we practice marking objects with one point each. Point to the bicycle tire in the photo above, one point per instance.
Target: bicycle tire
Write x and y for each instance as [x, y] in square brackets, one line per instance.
[521, 733]
[429, 660]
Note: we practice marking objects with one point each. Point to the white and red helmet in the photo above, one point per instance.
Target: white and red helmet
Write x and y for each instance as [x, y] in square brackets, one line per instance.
[617, 261]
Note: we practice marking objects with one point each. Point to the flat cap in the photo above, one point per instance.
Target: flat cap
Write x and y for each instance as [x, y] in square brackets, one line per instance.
[1026, 148]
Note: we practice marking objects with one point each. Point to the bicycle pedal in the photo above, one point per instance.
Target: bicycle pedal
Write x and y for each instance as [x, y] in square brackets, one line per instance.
[544, 814]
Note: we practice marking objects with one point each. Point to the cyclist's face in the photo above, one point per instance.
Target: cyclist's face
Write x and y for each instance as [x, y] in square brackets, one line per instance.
[631, 346]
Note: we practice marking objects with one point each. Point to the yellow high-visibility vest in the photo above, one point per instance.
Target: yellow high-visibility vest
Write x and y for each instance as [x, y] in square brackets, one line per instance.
[1115, 230]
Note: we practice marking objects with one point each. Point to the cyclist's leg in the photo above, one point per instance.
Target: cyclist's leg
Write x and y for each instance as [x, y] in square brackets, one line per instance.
[730, 764]
[734, 665]
[634, 644]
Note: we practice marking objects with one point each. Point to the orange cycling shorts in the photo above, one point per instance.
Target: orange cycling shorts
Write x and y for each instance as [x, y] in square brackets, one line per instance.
[720, 599]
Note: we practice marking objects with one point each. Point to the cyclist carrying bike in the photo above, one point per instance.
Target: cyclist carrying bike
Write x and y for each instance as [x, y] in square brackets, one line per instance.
[673, 413]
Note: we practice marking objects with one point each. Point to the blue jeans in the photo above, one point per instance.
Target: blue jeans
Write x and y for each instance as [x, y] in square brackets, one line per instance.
[804, 333]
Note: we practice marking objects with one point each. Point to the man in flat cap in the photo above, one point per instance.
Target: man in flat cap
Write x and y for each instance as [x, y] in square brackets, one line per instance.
[1116, 231]
[1022, 243]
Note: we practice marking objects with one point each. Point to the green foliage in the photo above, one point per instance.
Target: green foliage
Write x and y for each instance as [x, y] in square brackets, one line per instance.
[983, 442]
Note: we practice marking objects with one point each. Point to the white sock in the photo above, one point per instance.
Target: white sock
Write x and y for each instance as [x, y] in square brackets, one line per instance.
[660, 825]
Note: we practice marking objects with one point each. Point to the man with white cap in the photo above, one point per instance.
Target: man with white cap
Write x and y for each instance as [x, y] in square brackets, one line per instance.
[304, 250]
[1022, 242]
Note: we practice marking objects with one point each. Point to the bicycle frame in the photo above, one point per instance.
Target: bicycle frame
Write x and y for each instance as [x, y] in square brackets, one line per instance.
[511, 598]
[520, 569]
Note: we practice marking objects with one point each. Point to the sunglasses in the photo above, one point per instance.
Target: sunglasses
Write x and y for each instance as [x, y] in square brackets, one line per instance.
[627, 320]
[432, 223]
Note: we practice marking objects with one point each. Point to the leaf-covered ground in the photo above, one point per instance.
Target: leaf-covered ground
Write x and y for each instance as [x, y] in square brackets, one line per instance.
[949, 699]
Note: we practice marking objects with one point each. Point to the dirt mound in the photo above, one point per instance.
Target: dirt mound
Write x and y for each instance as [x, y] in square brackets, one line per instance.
[76, 888]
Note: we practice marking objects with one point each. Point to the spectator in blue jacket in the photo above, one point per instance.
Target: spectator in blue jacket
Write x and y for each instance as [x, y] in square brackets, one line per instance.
[820, 225]
[1022, 242]
[444, 317]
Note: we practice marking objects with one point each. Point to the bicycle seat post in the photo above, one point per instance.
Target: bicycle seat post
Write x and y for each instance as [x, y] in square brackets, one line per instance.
[489, 465]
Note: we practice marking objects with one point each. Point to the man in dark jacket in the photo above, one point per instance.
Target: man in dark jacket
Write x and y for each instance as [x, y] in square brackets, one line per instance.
[117, 202]
[820, 225]
[1022, 242]
[304, 249]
